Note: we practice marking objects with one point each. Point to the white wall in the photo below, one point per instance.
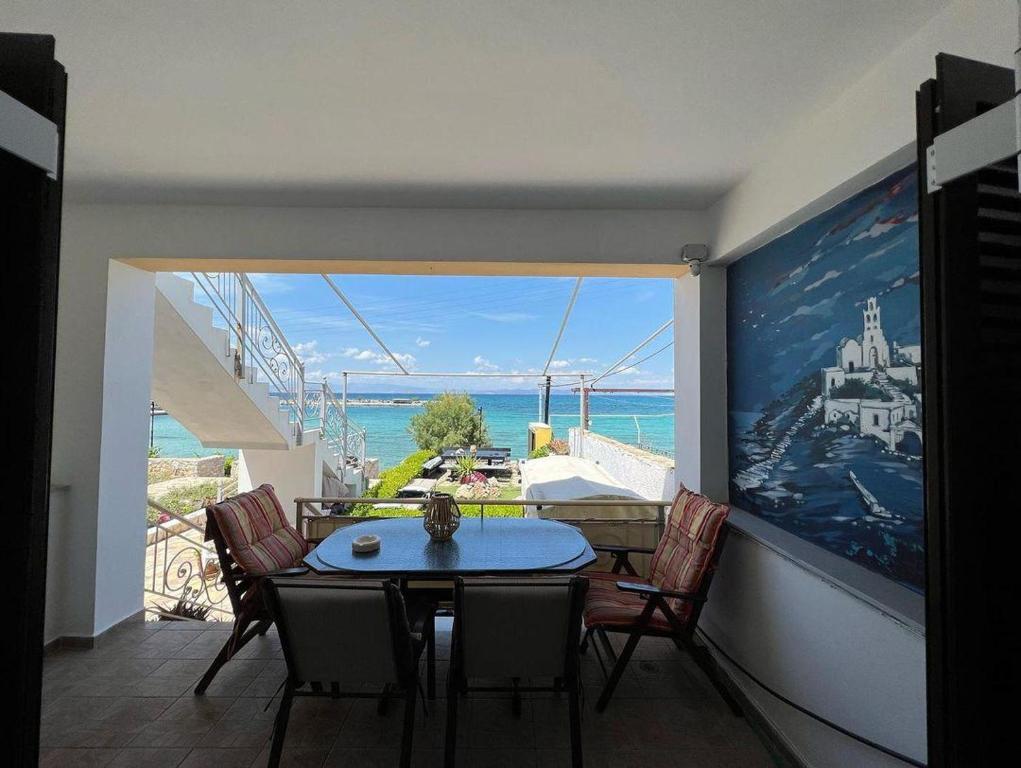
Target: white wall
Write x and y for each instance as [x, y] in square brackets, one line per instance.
[648, 475]
[864, 133]
[822, 647]
[58, 576]
[700, 382]
[294, 473]
[123, 458]
[304, 236]
[100, 441]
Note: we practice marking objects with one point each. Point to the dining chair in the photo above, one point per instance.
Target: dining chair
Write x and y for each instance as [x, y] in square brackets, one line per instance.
[253, 540]
[339, 637]
[516, 629]
[669, 602]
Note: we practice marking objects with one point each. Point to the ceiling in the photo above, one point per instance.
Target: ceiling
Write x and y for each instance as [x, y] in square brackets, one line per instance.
[577, 103]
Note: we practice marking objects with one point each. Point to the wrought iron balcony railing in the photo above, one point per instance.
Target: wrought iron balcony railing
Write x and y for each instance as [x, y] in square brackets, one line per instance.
[345, 438]
[182, 570]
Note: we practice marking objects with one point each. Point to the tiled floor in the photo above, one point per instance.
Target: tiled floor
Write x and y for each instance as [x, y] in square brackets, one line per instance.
[129, 702]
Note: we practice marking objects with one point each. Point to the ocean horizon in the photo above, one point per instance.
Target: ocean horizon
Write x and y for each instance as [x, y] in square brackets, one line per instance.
[632, 419]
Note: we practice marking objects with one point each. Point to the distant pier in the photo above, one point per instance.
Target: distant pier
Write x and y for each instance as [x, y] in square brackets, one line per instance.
[397, 401]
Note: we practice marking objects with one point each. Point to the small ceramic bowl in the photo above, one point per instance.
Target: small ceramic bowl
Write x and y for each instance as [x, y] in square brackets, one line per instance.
[367, 543]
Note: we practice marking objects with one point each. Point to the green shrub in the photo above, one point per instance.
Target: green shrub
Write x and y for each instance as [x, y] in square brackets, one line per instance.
[465, 466]
[856, 389]
[184, 500]
[449, 420]
[539, 453]
[228, 463]
[393, 479]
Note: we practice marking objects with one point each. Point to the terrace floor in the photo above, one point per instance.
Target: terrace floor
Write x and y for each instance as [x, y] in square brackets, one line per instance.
[129, 702]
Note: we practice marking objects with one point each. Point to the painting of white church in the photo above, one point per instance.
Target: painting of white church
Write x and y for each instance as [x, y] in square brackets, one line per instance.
[824, 375]
[877, 403]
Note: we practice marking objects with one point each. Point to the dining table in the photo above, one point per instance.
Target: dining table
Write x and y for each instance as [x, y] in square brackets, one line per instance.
[480, 547]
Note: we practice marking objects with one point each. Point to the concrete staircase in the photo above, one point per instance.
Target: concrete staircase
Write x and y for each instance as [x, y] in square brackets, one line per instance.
[194, 377]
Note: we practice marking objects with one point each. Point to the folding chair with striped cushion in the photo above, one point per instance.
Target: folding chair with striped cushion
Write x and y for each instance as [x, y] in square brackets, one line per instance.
[668, 603]
[253, 540]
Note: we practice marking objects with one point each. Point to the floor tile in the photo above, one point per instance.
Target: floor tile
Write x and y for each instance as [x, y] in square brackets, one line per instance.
[207, 757]
[76, 758]
[150, 757]
[130, 703]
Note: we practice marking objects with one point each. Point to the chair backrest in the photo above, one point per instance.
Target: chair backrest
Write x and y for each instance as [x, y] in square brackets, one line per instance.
[689, 550]
[334, 631]
[508, 628]
[256, 532]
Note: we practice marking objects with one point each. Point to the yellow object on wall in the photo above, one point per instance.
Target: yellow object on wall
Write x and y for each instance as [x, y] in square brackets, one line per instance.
[539, 434]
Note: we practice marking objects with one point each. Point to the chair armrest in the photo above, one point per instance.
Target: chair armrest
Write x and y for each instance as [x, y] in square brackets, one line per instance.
[297, 571]
[615, 549]
[648, 590]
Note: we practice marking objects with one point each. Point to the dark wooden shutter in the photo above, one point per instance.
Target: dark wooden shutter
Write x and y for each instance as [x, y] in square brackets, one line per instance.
[30, 244]
[970, 233]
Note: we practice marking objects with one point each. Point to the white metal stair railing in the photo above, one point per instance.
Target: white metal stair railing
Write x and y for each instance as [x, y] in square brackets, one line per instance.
[255, 342]
[343, 437]
[181, 567]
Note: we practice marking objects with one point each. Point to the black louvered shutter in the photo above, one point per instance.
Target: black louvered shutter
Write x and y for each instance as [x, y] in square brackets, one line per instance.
[970, 234]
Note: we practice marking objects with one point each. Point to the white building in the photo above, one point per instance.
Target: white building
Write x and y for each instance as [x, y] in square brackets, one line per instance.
[867, 358]
[868, 354]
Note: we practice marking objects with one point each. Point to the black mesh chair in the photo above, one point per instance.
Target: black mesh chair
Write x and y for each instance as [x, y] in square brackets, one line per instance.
[336, 633]
[516, 629]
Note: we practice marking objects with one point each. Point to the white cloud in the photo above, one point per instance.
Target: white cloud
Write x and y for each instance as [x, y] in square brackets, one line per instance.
[422, 342]
[379, 358]
[308, 352]
[504, 317]
[269, 283]
[830, 275]
[359, 354]
[483, 364]
[560, 364]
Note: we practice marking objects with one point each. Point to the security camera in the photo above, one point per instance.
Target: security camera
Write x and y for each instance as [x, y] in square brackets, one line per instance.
[694, 255]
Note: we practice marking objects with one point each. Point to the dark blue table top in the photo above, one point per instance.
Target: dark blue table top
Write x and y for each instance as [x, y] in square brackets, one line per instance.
[480, 546]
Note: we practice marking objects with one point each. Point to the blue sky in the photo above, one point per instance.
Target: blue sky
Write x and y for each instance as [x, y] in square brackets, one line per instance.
[504, 324]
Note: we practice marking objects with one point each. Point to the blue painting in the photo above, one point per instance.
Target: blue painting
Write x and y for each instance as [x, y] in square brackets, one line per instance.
[824, 381]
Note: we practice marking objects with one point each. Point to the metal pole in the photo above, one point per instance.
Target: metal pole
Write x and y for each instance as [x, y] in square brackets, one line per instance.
[343, 442]
[152, 421]
[583, 418]
[563, 324]
[545, 401]
[363, 321]
[613, 367]
[301, 404]
[322, 408]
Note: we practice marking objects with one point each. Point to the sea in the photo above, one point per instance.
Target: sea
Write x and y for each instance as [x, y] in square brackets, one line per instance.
[645, 420]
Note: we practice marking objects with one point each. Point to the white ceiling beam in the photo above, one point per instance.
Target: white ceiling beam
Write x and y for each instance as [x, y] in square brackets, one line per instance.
[28, 135]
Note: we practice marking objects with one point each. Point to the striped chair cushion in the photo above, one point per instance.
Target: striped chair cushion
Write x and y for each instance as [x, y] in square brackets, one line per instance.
[607, 606]
[257, 533]
[685, 552]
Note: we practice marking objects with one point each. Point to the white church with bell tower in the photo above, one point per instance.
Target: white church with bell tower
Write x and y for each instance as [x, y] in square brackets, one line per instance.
[870, 351]
[878, 406]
